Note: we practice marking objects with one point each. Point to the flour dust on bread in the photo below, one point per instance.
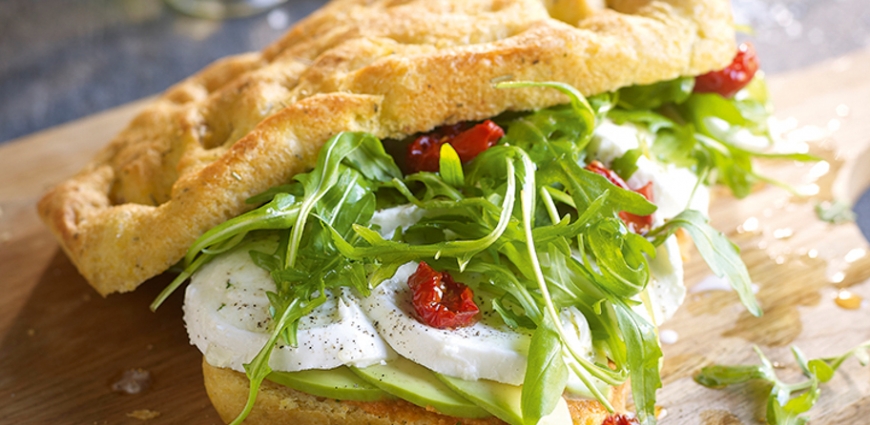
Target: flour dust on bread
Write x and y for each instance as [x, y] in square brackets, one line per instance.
[189, 160]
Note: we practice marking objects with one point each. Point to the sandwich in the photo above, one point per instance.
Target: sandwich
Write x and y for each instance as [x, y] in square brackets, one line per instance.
[432, 212]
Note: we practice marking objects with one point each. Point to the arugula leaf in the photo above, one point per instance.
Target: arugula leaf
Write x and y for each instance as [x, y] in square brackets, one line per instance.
[258, 369]
[699, 107]
[732, 138]
[619, 255]
[546, 373]
[720, 254]
[511, 318]
[434, 185]
[714, 136]
[719, 376]
[569, 285]
[397, 253]
[644, 353]
[837, 212]
[503, 280]
[326, 173]
[550, 133]
[370, 158]
[860, 352]
[450, 166]
[542, 232]
[585, 186]
[652, 96]
[654, 121]
[294, 189]
[351, 189]
[626, 165]
[280, 213]
[180, 279]
[786, 402]
[527, 196]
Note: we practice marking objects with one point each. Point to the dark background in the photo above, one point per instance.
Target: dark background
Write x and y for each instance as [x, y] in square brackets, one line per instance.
[64, 59]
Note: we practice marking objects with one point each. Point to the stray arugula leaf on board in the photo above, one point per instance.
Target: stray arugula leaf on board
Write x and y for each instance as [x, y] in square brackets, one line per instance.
[786, 403]
[837, 212]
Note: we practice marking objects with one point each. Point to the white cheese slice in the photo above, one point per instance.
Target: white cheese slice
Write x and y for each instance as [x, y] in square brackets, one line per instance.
[487, 349]
[479, 351]
[674, 188]
[666, 289]
[226, 311]
[402, 216]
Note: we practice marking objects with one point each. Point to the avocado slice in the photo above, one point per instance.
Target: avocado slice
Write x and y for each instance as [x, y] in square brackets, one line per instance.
[416, 384]
[339, 383]
[578, 389]
[504, 401]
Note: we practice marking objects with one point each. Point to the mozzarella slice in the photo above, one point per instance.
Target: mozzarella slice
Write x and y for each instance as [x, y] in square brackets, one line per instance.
[480, 351]
[611, 141]
[674, 189]
[401, 216]
[488, 349]
[666, 289]
[226, 311]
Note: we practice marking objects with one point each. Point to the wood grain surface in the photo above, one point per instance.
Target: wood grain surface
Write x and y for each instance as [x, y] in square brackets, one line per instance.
[62, 346]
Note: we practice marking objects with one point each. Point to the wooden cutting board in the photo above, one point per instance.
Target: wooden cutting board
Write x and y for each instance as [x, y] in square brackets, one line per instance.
[62, 346]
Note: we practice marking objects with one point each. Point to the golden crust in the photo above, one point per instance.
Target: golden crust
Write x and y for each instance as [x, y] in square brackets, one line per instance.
[388, 67]
[278, 405]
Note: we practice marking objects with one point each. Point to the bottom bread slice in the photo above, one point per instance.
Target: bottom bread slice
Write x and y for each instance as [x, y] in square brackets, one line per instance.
[277, 404]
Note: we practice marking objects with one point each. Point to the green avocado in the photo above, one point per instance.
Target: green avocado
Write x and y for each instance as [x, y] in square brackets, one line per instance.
[578, 389]
[416, 384]
[339, 383]
[504, 401]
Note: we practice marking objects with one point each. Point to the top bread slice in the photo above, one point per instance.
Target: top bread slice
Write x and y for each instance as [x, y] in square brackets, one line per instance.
[392, 68]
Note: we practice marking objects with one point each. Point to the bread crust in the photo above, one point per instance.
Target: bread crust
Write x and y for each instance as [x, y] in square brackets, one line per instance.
[277, 405]
[388, 67]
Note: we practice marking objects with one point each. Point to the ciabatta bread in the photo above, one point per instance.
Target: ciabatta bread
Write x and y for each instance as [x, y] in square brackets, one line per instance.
[388, 67]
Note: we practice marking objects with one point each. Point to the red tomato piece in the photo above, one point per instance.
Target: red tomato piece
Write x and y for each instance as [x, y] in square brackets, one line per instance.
[646, 191]
[424, 154]
[620, 420]
[472, 142]
[598, 168]
[639, 224]
[733, 77]
[440, 301]
[636, 223]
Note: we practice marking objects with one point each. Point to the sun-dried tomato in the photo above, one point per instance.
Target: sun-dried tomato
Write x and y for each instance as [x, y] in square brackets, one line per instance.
[440, 301]
[733, 77]
[639, 224]
[620, 420]
[598, 168]
[424, 153]
[636, 223]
